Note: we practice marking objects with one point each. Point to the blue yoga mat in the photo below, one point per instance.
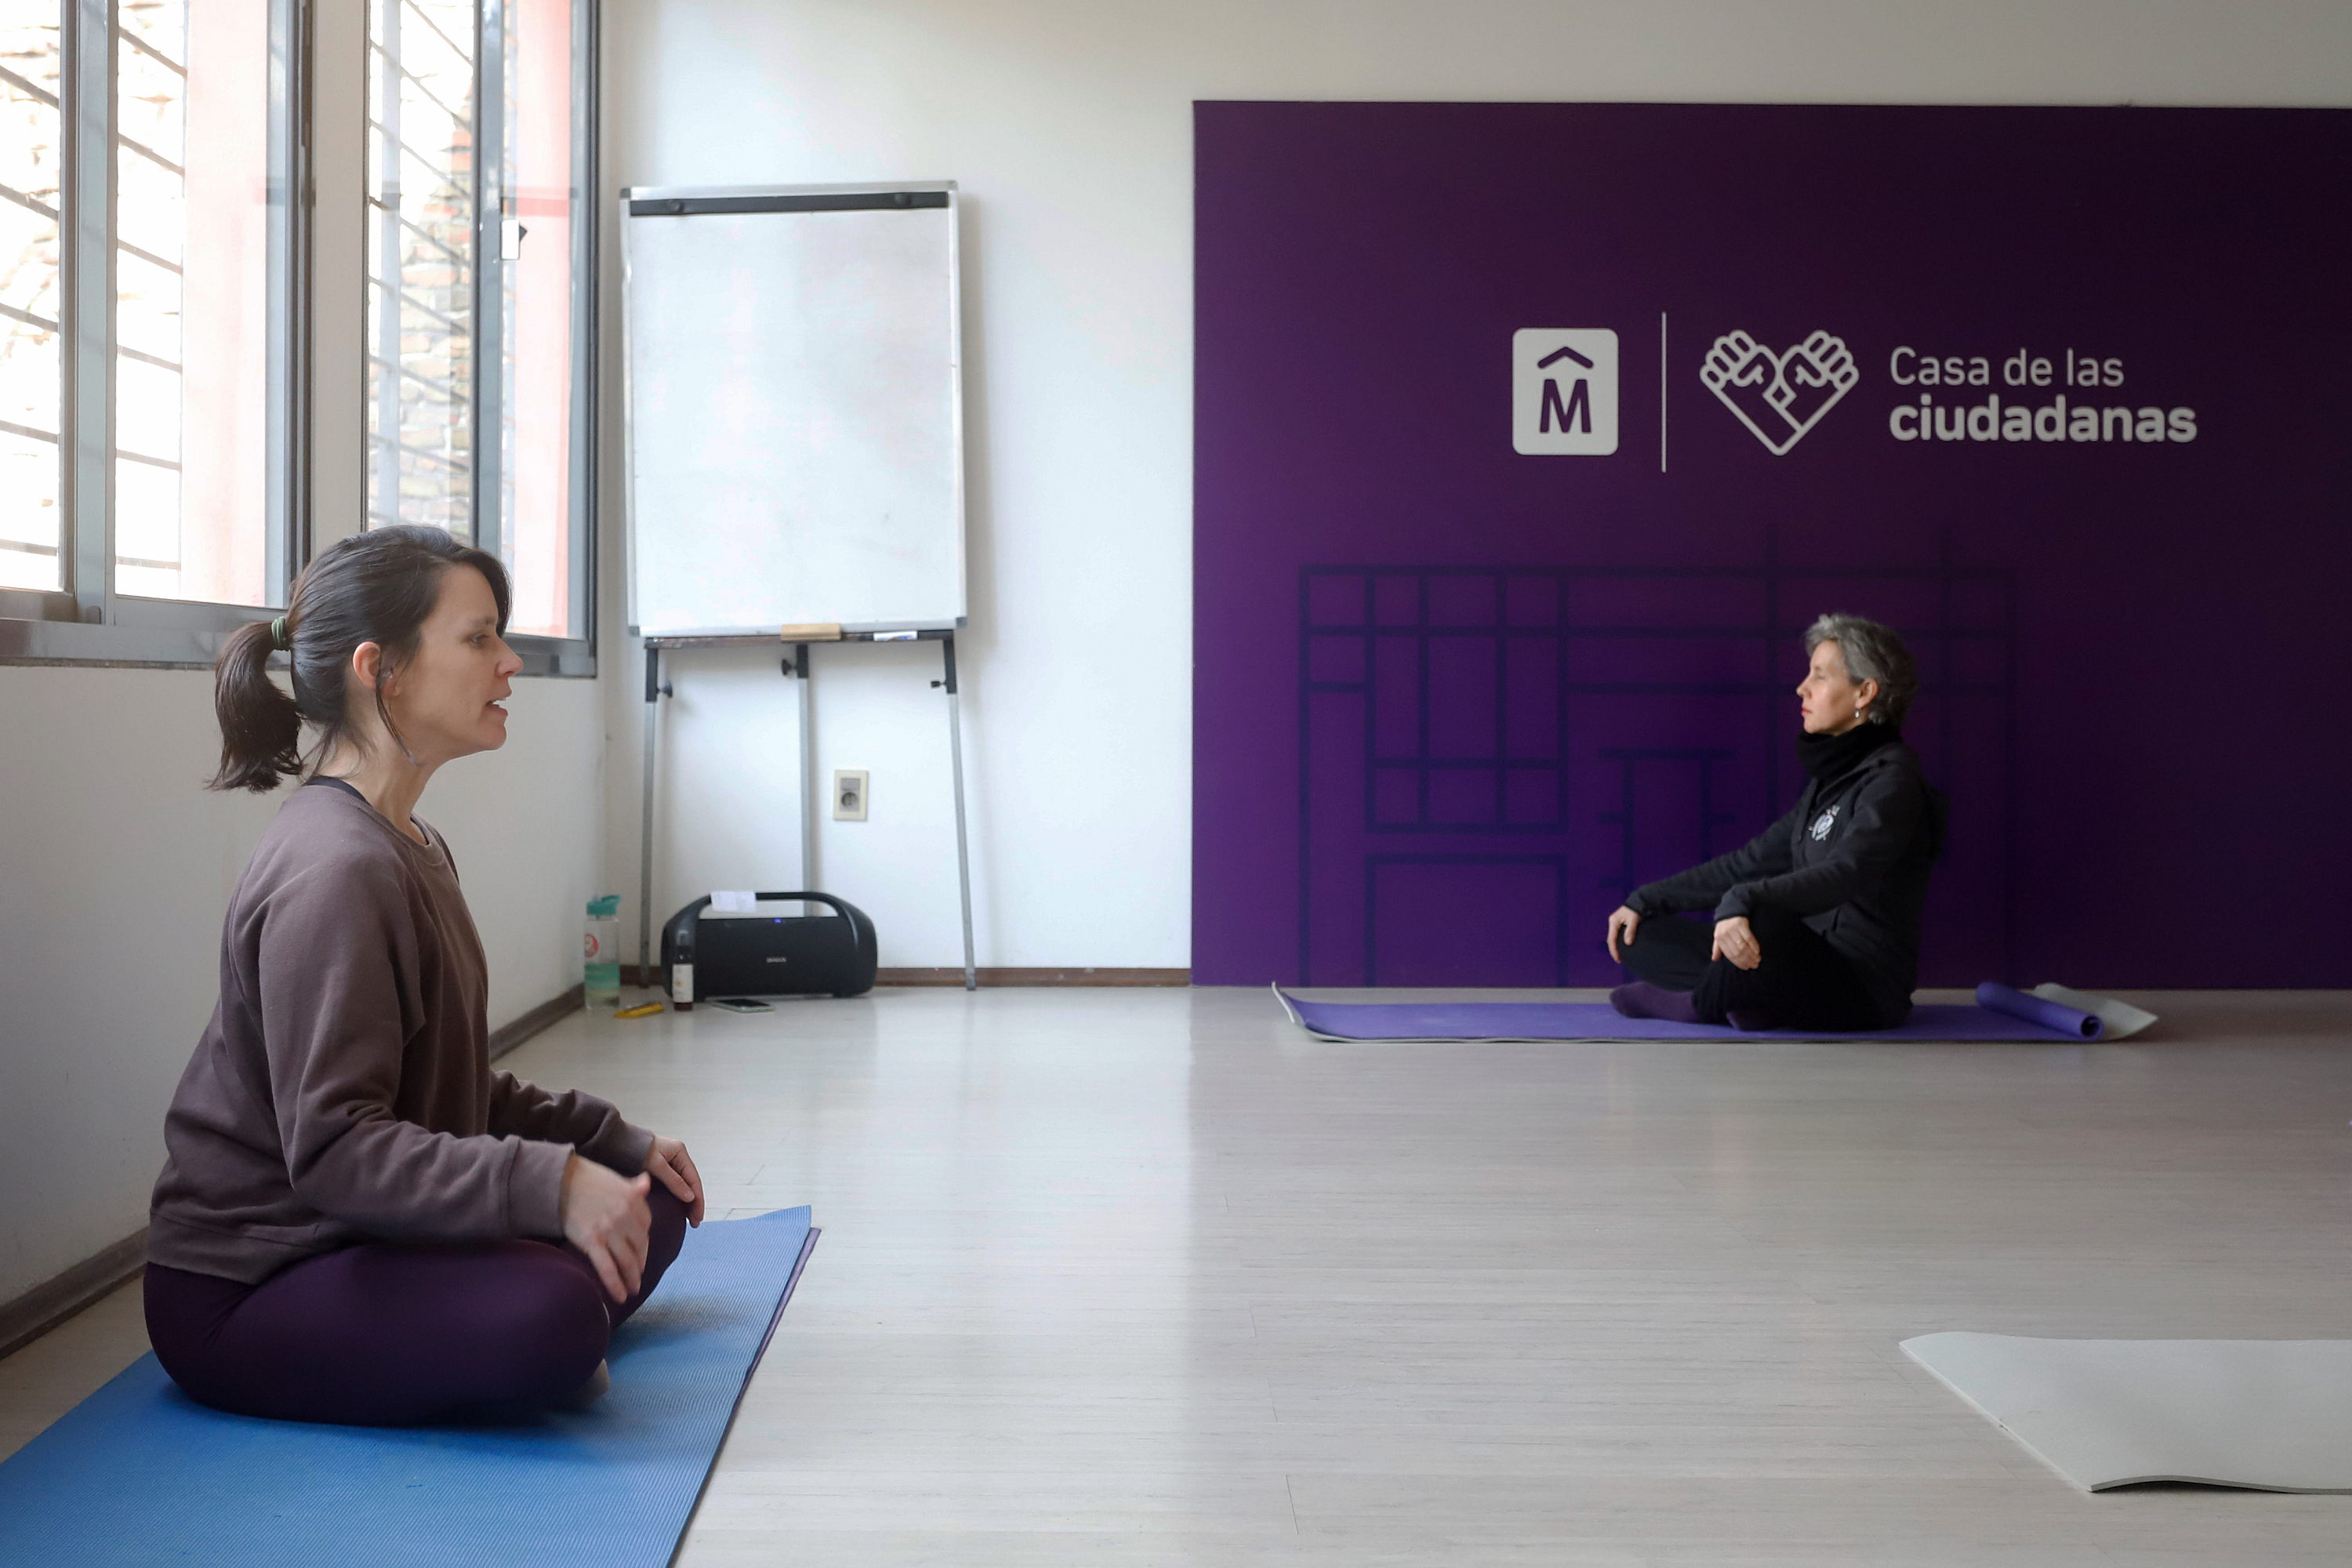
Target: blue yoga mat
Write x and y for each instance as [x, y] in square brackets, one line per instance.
[2001, 1015]
[139, 1473]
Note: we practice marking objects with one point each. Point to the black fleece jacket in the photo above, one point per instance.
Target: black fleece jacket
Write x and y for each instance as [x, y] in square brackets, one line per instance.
[1852, 860]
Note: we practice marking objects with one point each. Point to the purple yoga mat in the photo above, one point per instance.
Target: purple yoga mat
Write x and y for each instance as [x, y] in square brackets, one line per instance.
[2055, 1017]
[2034, 1019]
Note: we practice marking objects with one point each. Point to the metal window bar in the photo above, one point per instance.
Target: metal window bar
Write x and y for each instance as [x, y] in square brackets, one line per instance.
[30, 319]
[10, 192]
[419, 230]
[30, 87]
[447, 391]
[431, 27]
[414, 304]
[126, 36]
[441, 168]
[149, 153]
[148, 257]
[30, 432]
[426, 453]
[421, 84]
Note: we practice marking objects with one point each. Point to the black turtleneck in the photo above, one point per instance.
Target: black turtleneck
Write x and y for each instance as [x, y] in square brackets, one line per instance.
[1830, 757]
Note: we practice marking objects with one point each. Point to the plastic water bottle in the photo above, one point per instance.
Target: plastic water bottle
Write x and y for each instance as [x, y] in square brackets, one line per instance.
[601, 979]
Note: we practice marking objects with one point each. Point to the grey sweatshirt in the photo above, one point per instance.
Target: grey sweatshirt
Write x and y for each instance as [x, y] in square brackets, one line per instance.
[342, 1091]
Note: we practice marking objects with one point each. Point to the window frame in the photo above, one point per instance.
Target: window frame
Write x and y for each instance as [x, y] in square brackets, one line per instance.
[571, 656]
[88, 622]
[490, 310]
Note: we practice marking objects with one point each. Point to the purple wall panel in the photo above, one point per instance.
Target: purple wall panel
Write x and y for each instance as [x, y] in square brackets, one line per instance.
[1453, 699]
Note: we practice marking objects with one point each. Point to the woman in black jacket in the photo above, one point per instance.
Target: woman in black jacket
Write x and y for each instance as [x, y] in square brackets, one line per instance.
[1817, 921]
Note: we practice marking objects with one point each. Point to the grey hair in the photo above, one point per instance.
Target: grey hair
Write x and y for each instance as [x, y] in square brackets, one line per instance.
[1871, 652]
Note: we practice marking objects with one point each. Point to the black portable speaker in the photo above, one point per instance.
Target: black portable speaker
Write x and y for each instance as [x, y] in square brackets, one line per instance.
[768, 955]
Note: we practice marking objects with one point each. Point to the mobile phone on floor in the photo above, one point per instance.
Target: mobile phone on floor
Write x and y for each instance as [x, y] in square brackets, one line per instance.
[741, 1005]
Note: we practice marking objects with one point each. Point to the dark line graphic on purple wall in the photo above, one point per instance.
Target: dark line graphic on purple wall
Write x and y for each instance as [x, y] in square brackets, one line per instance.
[1630, 759]
[1544, 877]
[1443, 704]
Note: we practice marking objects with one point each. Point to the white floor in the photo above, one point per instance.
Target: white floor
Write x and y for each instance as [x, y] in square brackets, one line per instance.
[1148, 1277]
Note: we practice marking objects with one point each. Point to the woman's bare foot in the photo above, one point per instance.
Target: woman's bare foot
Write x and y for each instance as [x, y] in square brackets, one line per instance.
[599, 1383]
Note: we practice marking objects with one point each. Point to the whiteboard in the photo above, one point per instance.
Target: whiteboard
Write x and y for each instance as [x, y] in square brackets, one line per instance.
[794, 407]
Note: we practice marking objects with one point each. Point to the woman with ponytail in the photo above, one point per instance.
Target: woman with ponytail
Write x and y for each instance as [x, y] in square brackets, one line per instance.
[359, 1221]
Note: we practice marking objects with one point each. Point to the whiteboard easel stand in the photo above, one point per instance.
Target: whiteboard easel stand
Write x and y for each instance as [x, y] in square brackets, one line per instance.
[797, 667]
[655, 692]
[955, 763]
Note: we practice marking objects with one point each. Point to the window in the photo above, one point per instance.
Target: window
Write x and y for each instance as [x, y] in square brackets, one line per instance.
[477, 382]
[194, 337]
[147, 250]
[32, 338]
[540, 312]
[156, 466]
[421, 206]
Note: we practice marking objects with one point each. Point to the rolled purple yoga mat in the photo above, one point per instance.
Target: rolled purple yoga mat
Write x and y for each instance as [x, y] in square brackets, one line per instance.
[2052, 1015]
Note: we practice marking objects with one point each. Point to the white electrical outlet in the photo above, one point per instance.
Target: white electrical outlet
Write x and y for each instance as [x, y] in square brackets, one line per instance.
[849, 794]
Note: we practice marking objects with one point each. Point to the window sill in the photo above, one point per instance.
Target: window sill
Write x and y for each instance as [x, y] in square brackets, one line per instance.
[194, 643]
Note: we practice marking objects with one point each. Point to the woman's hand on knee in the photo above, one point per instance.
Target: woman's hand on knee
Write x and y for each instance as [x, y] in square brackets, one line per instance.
[672, 1167]
[1734, 939]
[1622, 923]
[604, 1215]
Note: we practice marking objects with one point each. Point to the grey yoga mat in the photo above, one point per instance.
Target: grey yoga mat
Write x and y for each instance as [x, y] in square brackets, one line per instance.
[2265, 1414]
[2065, 1011]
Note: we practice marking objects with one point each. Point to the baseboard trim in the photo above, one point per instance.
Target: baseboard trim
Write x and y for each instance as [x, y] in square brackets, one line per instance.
[506, 1037]
[45, 1305]
[993, 977]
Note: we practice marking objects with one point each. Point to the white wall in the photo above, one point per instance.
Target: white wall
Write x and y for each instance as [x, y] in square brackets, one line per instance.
[116, 865]
[115, 870]
[1069, 124]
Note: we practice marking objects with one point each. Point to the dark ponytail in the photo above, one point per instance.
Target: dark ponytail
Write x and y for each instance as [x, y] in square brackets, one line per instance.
[377, 586]
[261, 730]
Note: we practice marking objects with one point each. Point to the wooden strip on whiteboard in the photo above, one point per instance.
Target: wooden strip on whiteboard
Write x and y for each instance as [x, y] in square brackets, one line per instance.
[815, 631]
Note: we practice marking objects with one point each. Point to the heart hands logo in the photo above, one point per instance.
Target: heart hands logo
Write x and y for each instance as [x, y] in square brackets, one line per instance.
[1778, 396]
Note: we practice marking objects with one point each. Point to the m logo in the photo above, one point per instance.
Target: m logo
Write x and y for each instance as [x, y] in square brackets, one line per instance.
[1564, 391]
[1778, 396]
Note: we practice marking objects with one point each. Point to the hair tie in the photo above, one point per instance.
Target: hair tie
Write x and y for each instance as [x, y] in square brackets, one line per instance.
[278, 637]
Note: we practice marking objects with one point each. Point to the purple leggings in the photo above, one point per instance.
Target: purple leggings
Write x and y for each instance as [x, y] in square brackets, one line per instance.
[399, 1335]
